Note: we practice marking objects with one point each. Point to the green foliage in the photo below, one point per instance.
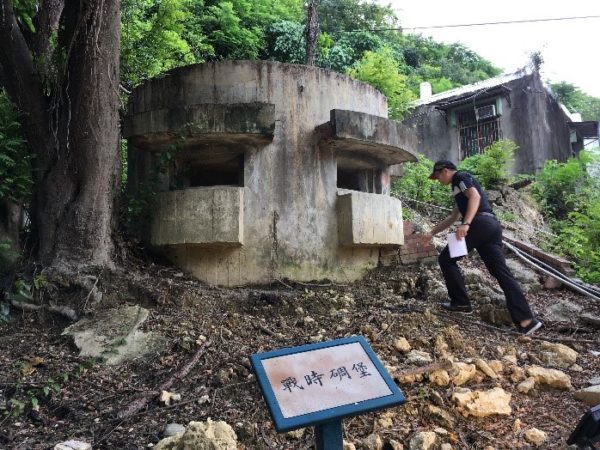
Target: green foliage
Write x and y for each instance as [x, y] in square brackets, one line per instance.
[492, 166]
[137, 213]
[236, 29]
[507, 216]
[285, 42]
[15, 163]
[576, 100]
[156, 37]
[416, 185]
[348, 48]
[570, 200]
[25, 10]
[380, 70]
[561, 187]
[348, 15]
[26, 395]
[580, 239]
[445, 66]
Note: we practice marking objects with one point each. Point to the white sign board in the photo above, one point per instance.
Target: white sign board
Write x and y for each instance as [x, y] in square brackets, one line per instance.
[325, 378]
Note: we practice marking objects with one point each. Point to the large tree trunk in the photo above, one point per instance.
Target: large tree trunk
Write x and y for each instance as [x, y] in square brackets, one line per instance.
[69, 94]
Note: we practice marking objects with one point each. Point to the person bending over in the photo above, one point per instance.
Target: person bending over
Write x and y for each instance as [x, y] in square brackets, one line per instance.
[482, 232]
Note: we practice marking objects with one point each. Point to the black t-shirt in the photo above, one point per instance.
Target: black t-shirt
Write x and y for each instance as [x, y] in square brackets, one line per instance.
[461, 181]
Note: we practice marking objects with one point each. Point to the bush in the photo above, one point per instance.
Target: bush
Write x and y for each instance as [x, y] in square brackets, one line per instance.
[492, 166]
[415, 185]
[562, 188]
[570, 201]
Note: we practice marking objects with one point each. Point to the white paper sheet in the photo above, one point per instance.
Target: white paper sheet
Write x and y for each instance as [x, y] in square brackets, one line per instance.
[457, 248]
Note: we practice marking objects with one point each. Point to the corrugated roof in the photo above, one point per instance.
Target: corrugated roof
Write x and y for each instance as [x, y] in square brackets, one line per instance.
[475, 87]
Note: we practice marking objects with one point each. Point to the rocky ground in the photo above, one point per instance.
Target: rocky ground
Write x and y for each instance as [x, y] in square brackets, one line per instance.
[492, 389]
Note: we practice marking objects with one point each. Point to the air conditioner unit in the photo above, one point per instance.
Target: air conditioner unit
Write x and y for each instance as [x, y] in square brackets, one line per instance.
[485, 112]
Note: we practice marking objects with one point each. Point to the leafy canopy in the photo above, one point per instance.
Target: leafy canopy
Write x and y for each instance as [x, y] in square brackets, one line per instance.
[380, 70]
[576, 100]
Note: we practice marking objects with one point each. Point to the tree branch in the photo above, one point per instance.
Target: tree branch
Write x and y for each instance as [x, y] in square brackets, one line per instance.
[47, 20]
[16, 60]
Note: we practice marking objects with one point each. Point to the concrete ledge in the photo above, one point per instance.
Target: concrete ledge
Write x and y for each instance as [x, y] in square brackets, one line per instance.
[360, 135]
[209, 217]
[225, 125]
[369, 219]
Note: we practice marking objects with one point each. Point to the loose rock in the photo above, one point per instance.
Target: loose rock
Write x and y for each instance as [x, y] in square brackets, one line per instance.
[558, 355]
[535, 436]
[73, 445]
[589, 395]
[551, 377]
[424, 440]
[207, 435]
[483, 403]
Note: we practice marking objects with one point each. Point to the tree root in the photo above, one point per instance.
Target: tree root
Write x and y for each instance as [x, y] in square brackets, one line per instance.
[65, 311]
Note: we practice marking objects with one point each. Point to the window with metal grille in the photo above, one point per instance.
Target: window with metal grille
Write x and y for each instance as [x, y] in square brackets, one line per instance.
[475, 135]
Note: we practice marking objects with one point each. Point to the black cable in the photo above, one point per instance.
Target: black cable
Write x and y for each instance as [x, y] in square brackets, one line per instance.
[431, 27]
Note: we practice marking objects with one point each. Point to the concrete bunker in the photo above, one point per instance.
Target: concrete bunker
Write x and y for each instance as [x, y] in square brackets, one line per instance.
[267, 171]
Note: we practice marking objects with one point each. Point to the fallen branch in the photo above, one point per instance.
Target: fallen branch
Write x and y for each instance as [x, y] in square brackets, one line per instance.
[141, 402]
[265, 330]
[444, 365]
[62, 310]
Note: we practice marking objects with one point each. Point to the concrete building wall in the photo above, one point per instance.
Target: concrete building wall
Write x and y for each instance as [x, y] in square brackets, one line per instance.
[530, 117]
[537, 124]
[290, 223]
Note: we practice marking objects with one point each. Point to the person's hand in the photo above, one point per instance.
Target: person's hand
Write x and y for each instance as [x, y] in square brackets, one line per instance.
[462, 231]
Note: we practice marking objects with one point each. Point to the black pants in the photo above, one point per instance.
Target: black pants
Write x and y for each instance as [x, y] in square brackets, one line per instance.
[485, 235]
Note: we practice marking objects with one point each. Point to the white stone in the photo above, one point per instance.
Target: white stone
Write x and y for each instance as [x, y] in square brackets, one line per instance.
[496, 401]
[395, 445]
[485, 368]
[496, 366]
[373, 442]
[517, 374]
[551, 377]
[173, 429]
[73, 445]
[535, 437]
[207, 435]
[589, 395]
[526, 386]
[418, 358]
[462, 372]
[557, 355]
[402, 345]
[424, 440]
[439, 378]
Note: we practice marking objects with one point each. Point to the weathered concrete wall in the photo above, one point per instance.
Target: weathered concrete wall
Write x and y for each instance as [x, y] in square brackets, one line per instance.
[531, 118]
[290, 226]
[211, 216]
[537, 124]
[436, 138]
[369, 219]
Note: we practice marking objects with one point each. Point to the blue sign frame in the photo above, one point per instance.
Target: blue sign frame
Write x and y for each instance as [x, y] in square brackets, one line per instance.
[283, 424]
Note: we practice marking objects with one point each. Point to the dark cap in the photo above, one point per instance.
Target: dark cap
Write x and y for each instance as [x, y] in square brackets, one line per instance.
[439, 165]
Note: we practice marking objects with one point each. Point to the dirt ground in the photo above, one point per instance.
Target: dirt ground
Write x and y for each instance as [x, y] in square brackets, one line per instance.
[75, 398]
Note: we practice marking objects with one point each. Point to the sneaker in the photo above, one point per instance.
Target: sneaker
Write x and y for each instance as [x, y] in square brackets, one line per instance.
[466, 309]
[531, 328]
